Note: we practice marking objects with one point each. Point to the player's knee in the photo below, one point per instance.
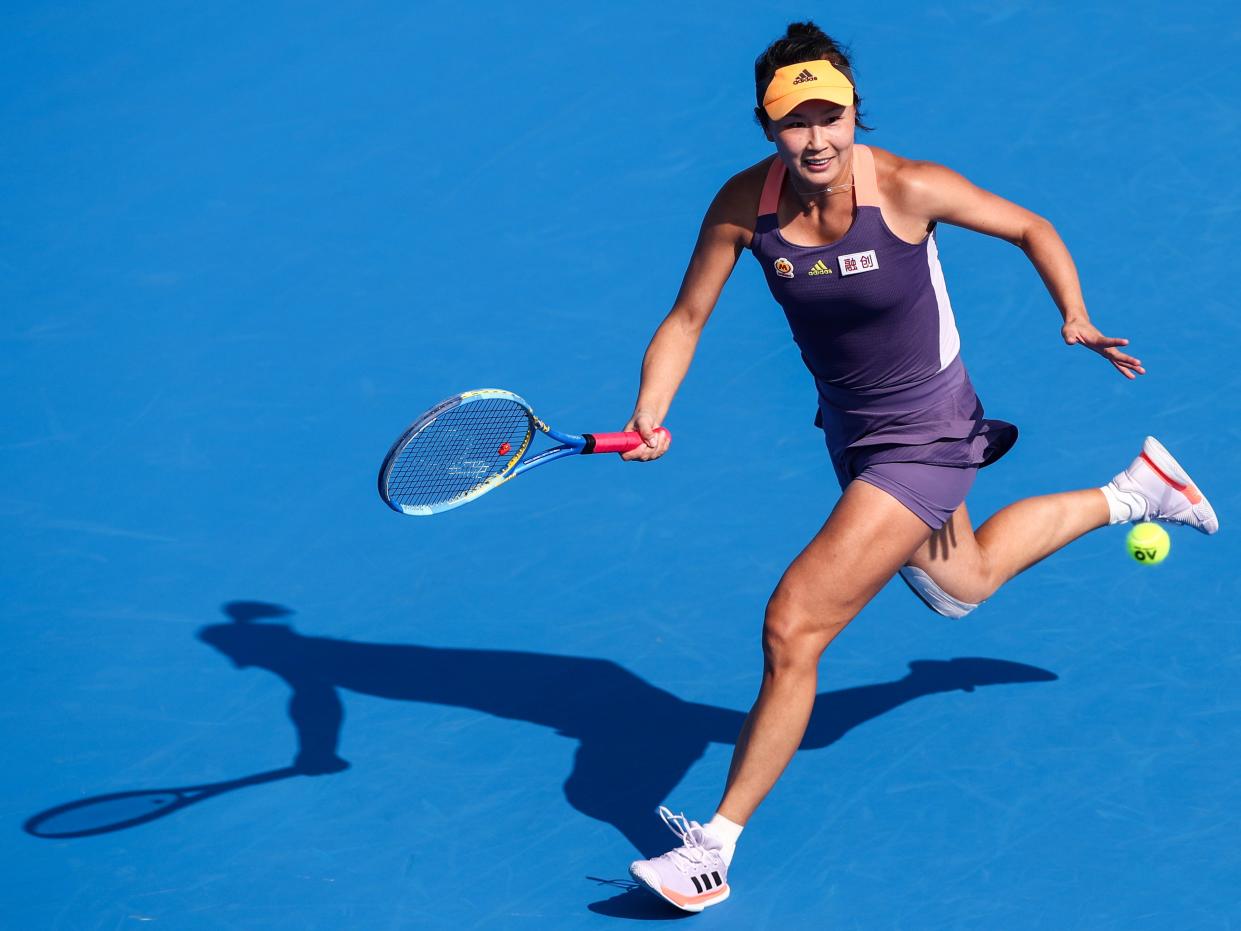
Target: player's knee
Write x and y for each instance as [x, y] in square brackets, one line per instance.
[796, 636]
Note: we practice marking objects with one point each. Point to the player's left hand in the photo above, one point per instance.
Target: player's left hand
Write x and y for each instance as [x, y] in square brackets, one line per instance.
[1088, 335]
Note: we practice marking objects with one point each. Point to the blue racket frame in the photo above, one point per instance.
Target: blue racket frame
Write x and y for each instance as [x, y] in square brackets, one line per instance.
[571, 444]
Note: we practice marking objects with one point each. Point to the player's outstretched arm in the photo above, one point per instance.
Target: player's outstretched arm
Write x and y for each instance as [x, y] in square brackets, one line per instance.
[941, 194]
[724, 234]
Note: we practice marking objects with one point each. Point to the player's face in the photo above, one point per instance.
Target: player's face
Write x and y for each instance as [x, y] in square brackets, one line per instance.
[816, 141]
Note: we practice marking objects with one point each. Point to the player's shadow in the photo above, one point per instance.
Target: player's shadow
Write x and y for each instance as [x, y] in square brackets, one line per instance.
[635, 740]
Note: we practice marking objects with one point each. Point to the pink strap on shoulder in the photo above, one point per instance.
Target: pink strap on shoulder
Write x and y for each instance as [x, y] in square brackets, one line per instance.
[770, 199]
[865, 187]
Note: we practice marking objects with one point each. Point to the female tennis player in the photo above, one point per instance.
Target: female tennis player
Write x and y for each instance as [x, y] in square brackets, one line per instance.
[845, 234]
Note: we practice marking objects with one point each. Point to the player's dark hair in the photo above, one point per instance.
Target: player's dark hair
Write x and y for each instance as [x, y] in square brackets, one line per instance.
[800, 42]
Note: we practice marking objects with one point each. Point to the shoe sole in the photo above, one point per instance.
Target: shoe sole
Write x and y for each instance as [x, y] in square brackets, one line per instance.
[657, 889]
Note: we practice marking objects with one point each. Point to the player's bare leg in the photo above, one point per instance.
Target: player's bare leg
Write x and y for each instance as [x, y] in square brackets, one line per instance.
[868, 536]
[970, 565]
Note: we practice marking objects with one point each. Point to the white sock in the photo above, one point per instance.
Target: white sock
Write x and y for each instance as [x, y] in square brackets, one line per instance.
[726, 832]
[1124, 506]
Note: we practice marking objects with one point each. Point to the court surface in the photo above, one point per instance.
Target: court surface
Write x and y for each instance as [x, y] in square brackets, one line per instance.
[245, 244]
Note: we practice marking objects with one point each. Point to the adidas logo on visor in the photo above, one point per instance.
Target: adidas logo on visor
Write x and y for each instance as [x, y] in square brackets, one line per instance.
[804, 77]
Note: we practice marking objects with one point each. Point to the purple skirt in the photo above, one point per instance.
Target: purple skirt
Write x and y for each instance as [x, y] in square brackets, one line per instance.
[938, 422]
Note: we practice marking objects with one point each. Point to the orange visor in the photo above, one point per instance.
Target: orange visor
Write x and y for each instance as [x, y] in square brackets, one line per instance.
[807, 80]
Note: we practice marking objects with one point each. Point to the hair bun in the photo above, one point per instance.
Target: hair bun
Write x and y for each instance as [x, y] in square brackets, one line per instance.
[806, 30]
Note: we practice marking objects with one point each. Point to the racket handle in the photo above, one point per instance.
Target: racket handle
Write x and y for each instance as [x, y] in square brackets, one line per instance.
[614, 442]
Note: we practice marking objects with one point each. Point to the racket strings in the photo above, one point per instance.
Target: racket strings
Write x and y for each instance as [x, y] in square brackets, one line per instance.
[458, 451]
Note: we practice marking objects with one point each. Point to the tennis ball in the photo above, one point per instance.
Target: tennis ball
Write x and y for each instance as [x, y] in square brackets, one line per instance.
[1148, 544]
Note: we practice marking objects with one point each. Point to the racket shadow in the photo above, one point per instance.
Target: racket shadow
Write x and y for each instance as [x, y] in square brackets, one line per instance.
[116, 811]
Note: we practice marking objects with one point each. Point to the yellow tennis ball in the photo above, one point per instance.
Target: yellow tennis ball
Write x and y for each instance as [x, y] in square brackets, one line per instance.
[1148, 544]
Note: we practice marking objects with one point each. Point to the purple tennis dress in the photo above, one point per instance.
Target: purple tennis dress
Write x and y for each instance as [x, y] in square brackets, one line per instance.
[871, 315]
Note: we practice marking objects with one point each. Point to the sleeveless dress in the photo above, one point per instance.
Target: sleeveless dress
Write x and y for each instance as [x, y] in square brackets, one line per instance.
[871, 315]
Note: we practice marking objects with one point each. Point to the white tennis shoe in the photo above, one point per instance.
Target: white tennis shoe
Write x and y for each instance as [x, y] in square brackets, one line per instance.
[692, 876]
[1155, 487]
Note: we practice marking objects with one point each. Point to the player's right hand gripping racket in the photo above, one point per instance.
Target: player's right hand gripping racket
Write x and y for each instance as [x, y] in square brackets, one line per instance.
[474, 442]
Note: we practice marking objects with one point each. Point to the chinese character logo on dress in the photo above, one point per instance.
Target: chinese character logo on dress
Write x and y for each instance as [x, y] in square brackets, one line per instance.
[858, 262]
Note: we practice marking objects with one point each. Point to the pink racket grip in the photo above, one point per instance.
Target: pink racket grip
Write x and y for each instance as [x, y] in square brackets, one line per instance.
[614, 442]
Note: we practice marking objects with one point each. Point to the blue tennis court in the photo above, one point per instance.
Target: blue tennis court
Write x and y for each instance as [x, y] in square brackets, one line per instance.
[245, 245]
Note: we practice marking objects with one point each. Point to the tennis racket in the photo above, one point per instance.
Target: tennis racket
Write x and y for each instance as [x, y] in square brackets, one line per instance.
[473, 443]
